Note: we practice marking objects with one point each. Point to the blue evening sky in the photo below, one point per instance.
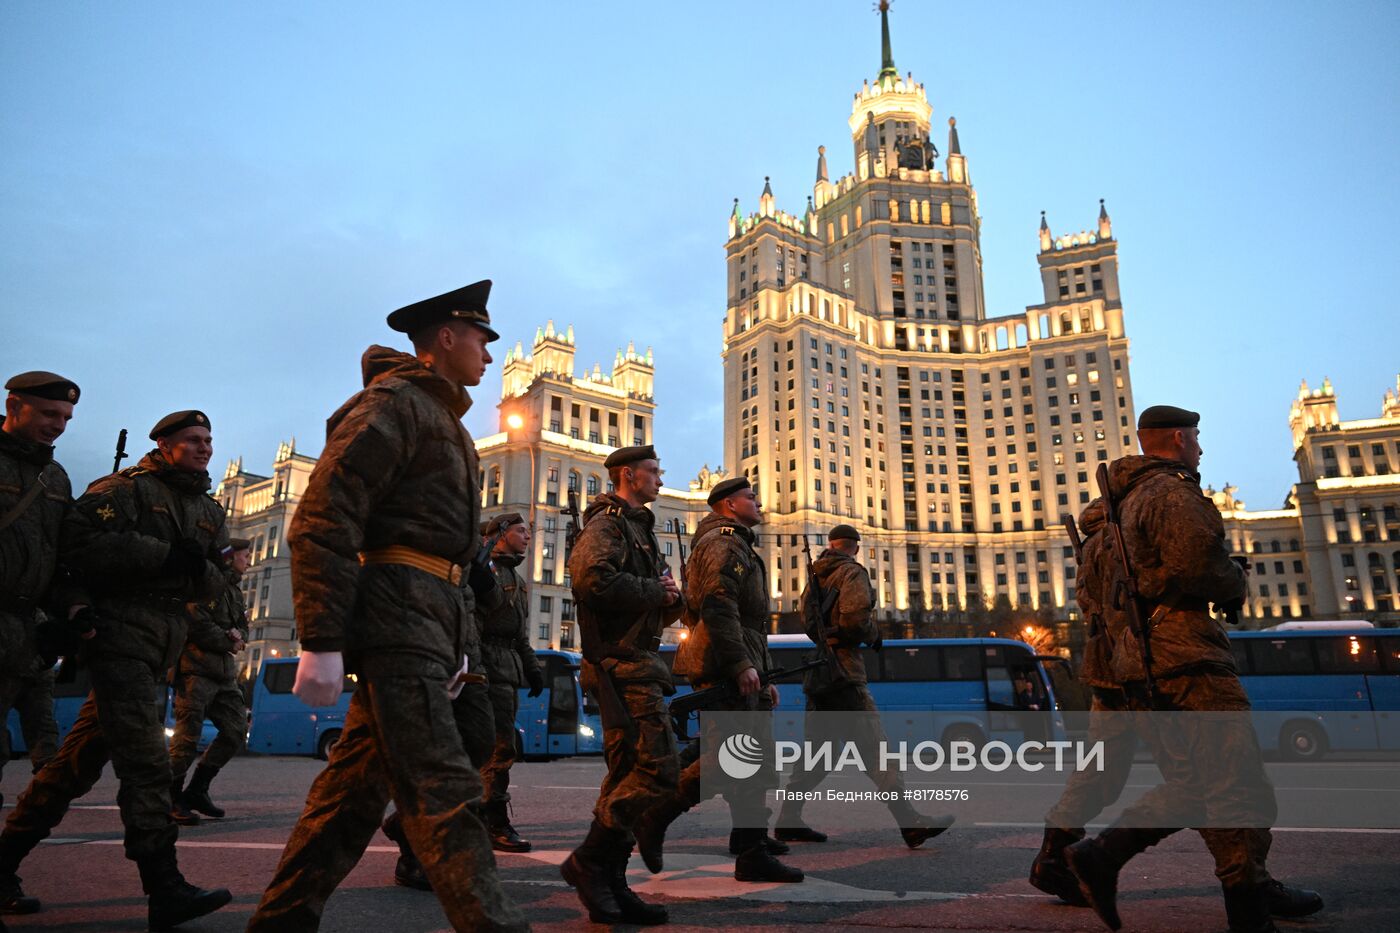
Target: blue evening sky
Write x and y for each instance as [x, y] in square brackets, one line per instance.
[214, 205]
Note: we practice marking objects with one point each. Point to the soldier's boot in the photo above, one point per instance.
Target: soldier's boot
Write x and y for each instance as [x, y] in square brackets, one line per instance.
[588, 871]
[408, 871]
[756, 863]
[1096, 863]
[790, 827]
[774, 846]
[651, 830]
[504, 838]
[178, 811]
[916, 828]
[1284, 900]
[1247, 909]
[13, 848]
[1050, 873]
[196, 796]
[170, 899]
[633, 908]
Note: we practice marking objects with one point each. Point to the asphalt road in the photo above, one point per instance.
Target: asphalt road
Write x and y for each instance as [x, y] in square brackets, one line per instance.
[971, 878]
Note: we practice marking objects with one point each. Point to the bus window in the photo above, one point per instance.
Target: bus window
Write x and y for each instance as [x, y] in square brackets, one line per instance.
[1348, 654]
[1282, 656]
[1240, 649]
[278, 678]
[910, 663]
[961, 662]
[1390, 649]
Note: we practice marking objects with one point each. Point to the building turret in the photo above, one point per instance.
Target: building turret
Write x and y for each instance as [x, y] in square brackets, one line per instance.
[1105, 225]
[1046, 241]
[1312, 410]
[634, 373]
[957, 164]
[766, 201]
[735, 221]
[1390, 405]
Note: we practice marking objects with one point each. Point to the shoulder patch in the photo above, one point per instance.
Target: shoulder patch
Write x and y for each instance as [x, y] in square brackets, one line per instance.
[727, 530]
[614, 510]
[738, 569]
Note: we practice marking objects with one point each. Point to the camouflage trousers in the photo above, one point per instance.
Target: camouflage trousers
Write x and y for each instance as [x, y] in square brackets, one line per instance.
[748, 799]
[122, 720]
[640, 752]
[400, 741]
[1089, 792]
[196, 699]
[31, 697]
[865, 730]
[1212, 773]
[505, 702]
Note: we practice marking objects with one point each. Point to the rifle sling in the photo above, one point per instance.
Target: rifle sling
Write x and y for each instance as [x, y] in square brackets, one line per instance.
[22, 506]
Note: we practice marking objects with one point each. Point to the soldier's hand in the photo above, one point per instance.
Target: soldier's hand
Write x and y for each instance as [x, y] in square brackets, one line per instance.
[455, 685]
[480, 579]
[669, 587]
[320, 677]
[748, 682]
[536, 679]
[773, 694]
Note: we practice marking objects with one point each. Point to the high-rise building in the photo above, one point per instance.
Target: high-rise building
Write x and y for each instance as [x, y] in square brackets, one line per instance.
[865, 380]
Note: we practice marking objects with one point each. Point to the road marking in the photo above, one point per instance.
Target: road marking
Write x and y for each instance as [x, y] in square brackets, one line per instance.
[564, 787]
[1276, 829]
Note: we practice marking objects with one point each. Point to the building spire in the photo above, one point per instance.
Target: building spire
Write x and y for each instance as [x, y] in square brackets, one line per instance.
[887, 68]
[1105, 225]
[821, 164]
[1045, 240]
[954, 147]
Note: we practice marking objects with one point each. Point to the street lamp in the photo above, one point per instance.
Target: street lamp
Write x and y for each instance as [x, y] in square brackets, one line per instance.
[514, 421]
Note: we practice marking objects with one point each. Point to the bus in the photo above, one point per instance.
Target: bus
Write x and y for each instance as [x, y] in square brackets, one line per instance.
[556, 724]
[1321, 689]
[968, 684]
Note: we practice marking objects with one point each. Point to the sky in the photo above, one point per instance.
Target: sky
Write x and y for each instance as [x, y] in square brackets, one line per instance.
[215, 205]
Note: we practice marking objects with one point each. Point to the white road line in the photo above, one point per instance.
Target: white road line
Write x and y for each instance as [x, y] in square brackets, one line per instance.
[1277, 829]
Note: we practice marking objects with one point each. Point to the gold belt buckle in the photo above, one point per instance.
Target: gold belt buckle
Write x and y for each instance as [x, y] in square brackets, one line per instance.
[454, 575]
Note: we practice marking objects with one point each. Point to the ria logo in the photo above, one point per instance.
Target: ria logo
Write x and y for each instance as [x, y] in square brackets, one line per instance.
[740, 756]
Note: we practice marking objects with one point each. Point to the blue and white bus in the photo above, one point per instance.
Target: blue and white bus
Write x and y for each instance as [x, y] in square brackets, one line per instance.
[555, 724]
[969, 684]
[1322, 688]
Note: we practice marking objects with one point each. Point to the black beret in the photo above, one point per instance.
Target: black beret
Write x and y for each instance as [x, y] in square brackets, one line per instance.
[625, 455]
[502, 522]
[178, 421]
[1167, 416]
[843, 531]
[464, 304]
[40, 384]
[239, 544]
[727, 488]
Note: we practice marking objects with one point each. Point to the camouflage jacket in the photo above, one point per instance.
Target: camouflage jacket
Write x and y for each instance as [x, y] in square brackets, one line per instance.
[209, 646]
[1176, 544]
[116, 539]
[726, 604]
[29, 546]
[504, 617]
[616, 567]
[850, 623]
[398, 469]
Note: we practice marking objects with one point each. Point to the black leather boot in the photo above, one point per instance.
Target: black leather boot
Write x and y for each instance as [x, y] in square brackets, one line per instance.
[1283, 900]
[196, 796]
[170, 899]
[1050, 873]
[915, 828]
[790, 827]
[1096, 863]
[178, 811]
[634, 909]
[651, 831]
[756, 863]
[504, 838]
[773, 846]
[13, 848]
[588, 871]
[408, 871]
[1247, 908]
[13, 900]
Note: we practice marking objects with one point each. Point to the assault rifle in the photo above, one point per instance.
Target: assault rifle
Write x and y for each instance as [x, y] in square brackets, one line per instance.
[682, 708]
[1125, 591]
[121, 451]
[825, 601]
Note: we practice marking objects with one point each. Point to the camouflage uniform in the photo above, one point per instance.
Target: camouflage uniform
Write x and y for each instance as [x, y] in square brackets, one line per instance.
[118, 538]
[727, 609]
[206, 686]
[510, 663]
[399, 469]
[28, 561]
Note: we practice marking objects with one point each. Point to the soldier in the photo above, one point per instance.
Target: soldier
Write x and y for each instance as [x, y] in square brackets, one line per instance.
[503, 614]
[206, 686]
[1176, 546]
[841, 688]
[378, 544]
[625, 597]
[726, 609]
[144, 541]
[35, 496]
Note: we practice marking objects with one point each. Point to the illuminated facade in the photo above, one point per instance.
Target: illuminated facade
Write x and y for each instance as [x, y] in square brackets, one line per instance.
[1333, 551]
[864, 381]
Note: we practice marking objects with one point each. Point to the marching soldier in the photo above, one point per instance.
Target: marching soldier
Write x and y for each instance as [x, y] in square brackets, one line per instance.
[35, 496]
[1176, 546]
[387, 522]
[727, 613]
[206, 687]
[840, 687]
[504, 614]
[625, 596]
[145, 542]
